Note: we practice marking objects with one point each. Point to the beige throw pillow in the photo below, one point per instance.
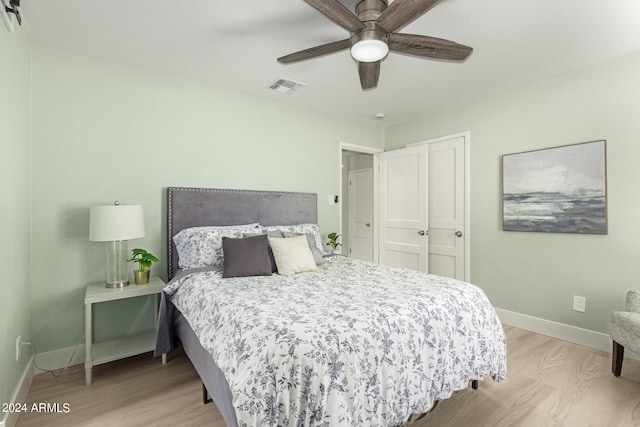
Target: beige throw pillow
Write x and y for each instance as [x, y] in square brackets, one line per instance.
[292, 255]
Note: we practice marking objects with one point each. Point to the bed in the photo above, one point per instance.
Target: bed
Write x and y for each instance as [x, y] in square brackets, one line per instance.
[344, 342]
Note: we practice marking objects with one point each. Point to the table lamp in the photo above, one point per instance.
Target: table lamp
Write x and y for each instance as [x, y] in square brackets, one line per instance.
[116, 224]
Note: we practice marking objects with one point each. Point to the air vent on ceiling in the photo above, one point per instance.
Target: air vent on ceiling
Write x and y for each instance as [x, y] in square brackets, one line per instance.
[287, 86]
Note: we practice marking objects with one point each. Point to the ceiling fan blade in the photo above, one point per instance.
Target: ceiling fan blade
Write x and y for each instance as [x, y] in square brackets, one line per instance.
[338, 14]
[428, 47]
[314, 52]
[402, 12]
[369, 73]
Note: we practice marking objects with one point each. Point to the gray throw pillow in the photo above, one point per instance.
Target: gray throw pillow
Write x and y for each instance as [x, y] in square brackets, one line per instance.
[246, 256]
[276, 233]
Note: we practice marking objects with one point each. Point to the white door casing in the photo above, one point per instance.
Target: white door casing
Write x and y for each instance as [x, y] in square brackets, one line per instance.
[361, 214]
[403, 189]
[343, 217]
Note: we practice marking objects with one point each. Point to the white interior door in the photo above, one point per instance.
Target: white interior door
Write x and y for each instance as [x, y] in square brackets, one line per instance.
[403, 208]
[446, 208]
[361, 214]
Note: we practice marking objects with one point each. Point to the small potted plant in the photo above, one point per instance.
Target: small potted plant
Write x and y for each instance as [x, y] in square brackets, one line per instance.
[333, 242]
[144, 260]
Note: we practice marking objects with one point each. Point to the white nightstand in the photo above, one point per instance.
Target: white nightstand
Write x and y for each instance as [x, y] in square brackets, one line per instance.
[130, 345]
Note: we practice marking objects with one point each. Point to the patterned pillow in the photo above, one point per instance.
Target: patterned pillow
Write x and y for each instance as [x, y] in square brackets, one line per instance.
[314, 229]
[292, 255]
[202, 246]
[184, 235]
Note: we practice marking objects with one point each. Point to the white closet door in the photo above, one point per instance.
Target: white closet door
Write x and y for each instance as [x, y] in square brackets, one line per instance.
[446, 208]
[403, 208]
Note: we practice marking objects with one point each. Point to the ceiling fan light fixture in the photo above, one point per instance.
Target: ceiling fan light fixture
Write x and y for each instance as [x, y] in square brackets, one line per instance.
[373, 28]
[369, 50]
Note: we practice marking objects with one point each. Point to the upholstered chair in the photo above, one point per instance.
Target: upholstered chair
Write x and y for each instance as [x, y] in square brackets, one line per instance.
[625, 331]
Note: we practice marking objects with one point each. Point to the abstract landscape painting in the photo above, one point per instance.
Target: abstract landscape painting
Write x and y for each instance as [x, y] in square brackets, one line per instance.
[556, 190]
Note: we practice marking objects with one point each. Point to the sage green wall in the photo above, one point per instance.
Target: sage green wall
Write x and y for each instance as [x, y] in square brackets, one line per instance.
[536, 273]
[15, 193]
[104, 131]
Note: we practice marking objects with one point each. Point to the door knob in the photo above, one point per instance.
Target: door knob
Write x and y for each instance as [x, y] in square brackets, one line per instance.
[422, 232]
[368, 225]
[458, 233]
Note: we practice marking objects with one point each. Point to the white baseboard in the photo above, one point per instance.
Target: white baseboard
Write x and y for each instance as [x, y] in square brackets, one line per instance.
[569, 333]
[10, 419]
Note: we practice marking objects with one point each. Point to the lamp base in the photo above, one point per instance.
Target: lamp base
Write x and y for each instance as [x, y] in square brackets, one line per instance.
[117, 273]
[120, 284]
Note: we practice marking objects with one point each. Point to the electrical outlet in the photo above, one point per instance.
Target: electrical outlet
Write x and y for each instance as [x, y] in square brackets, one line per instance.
[18, 344]
[579, 303]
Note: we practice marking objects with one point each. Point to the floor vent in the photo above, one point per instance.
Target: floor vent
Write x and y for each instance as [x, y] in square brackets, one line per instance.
[286, 86]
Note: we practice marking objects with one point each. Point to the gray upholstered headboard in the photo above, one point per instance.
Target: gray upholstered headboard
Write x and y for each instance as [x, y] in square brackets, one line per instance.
[197, 207]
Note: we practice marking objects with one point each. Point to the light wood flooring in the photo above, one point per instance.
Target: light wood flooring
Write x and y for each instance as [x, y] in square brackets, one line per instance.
[549, 383]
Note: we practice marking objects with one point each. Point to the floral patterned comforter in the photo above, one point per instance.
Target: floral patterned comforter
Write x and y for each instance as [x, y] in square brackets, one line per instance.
[351, 344]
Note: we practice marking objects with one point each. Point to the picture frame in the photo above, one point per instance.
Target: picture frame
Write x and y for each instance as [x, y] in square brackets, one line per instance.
[556, 190]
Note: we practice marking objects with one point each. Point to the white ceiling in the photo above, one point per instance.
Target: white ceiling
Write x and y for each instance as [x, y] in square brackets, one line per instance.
[235, 44]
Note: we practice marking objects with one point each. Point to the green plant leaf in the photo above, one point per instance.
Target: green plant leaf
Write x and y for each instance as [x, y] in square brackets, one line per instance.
[143, 258]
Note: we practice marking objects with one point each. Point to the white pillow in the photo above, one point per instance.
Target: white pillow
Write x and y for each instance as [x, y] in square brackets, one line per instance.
[292, 255]
[301, 229]
[202, 246]
[317, 255]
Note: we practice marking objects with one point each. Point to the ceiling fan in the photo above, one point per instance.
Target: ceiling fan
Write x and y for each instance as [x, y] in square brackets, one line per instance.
[373, 36]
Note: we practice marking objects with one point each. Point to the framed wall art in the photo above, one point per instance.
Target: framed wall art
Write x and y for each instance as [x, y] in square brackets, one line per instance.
[556, 190]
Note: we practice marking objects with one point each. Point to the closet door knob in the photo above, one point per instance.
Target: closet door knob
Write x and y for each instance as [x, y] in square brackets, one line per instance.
[422, 232]
[458, 233]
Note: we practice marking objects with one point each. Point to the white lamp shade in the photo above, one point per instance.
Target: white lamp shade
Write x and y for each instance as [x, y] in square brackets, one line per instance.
[369, 50]
[115, 222]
